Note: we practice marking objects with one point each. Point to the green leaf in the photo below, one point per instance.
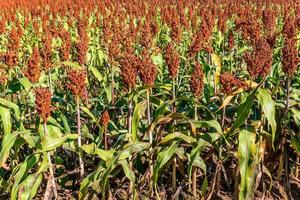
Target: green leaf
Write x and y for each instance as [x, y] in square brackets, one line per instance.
[96, 73]
[30, 186]
[6, 120]
[94, 150]
[22, 173]
[26, 83]
[194, 157]
[65, 123]
[296, 115]
[132, 149]
[243, 111]
[74, 65]
[31, 139]
[139, 110]
[88, 112]
[180, 136]
[51, 143]
[12, 106]
[268, 106]
[208, 124]
[162, 158]
[217, 62]
[246, 156]
[296, 143]
[7, 143]
[129, 173]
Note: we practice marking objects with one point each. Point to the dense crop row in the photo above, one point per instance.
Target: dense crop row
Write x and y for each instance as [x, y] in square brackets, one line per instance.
[128, 99]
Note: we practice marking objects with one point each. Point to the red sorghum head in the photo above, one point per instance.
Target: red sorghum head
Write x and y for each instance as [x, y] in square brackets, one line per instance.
[259, 62]
[43, 102]
[147, 70]
[129, 65]
[76, 82]
[172, 60]
[197, 80]
[229, 83]
[105, 118]
[47, 51]
[290, 58]
[66, 45]
[33, 70]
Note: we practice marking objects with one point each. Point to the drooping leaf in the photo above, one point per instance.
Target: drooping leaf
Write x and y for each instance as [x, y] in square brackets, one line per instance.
[137, 115]
[244, 110]
[246, 156]
[268, 106]
[26, 83]
[12, 106]
[162, 158]
[88, 112]
[6, 145]
[6, 119]
[30, 186]
[94, 150]
[296, 143]
[51, 143]
[22, 173]
[96, 73]
[178, 136]
[217, 62]
[129, 173]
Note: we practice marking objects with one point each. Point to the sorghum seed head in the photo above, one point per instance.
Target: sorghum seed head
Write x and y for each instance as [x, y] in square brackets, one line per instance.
[43, 102]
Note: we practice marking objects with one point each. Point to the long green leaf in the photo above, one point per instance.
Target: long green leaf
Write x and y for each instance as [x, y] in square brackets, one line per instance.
[6, 145]
[162, 158]
[6, 120]
[137, 115]
[268, 106]
[246, 156]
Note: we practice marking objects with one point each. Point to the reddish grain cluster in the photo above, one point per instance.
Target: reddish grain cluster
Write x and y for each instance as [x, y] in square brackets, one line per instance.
[105, 118]
[197, 80]
[172, 60]
[147, 70]
[77, 83]
[43, 102]
[230, 83]
[259, 62]
[33, 70]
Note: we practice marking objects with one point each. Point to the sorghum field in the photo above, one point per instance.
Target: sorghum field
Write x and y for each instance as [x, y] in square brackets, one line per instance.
[152, 99]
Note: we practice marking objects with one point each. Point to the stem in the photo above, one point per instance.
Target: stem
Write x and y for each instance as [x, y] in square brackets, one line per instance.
[112, 87]
[223, 117]
[105, 138]
[149, 113]
[194, 178]
[174, 175]
[174, 161]
[81, 163]
[150, 141]
[50, 165]
[129, 122]
[287, 179]
[50, 81]
[297, 167]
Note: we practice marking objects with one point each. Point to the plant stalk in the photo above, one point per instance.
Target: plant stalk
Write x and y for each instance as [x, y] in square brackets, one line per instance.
[150, 141]
[112, 87]
[105, 138]
[81, 163]
[287, 179]
[50, 165]
[174, 160]
[129, 126]
[194, 178]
